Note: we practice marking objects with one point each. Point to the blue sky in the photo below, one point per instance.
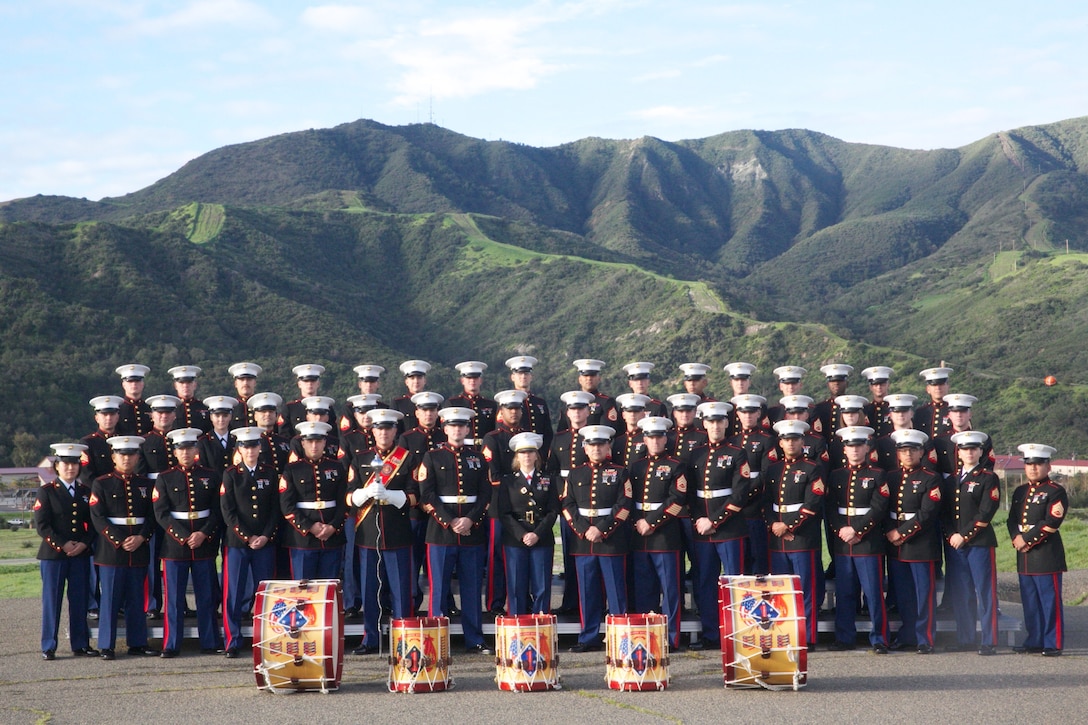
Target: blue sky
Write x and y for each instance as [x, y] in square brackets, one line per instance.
[103, 97]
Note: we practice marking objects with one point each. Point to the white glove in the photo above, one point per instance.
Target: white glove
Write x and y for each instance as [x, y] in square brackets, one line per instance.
[397, 498]
[377, 491]
[361, 495]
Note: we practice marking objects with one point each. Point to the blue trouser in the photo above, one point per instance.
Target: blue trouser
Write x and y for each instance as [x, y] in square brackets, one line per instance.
[869, 572]
[316, 563]
[419, 559]
[591, 571]
[759, 550]
[153, 597]
[388, 571]
[175, 579]
[972, 573]
[243, 568]
[349, 583]
[92, 585]
[916, 596]
[1041, 595]
[76, 573]
[807, 566]
[469, 561]
[529, 579]
[122, 586]
[712, 558]
[496, 568]
[570, 570]
[657, 572]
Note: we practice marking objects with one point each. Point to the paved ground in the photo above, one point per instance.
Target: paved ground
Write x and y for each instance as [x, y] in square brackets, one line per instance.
[845, 687]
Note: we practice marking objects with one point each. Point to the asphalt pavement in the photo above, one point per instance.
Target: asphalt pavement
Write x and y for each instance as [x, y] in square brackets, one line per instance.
[842, 687]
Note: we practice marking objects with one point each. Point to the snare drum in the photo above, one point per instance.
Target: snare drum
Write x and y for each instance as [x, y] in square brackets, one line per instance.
[763, 632]
[419, 658]
[637, 652]
[526, 656]
[298, 635]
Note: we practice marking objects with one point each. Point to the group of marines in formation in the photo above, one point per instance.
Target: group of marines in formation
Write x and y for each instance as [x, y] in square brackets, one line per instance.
[471, 487]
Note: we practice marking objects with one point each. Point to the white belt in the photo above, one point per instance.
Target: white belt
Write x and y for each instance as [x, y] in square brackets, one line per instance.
[787, 509]
[854, 511]
[701, 493]
[1024, 528]
[648, 506]
[152, 476]
[595, 512]
[565, 472]
[753, 474]
[190, 515]
[902, 517]
[315, 504]
[472, 442]
[457, 499]
[130, 521]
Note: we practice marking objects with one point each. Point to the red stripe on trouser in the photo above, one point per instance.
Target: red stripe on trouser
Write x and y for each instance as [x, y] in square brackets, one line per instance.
[226, 612]
[1057, 610]
[166, 607]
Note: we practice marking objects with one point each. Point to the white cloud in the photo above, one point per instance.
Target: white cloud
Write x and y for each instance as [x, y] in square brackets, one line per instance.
[203, 15]
[339, 18]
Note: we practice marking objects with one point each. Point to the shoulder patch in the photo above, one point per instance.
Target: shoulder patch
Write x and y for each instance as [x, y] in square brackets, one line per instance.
[93, 499]
[772, 455]
[995, 493]
[885, 491]
[37, 504]
[421, 472]
[818, 487]
[745, 470]
[933, 456]
[935, 493]
[818, 425]
[344, 423]
[222, 489]
[283, 484]
[873, 457]
[682, 484]
[487, 453]
[612, 414]
[1057, 510]
[155, 494]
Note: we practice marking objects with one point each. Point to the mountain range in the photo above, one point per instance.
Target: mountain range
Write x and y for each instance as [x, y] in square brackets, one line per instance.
[371, 243]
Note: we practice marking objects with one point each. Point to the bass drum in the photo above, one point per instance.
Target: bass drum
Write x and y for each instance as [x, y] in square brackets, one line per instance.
[298, 635]
[763, 632]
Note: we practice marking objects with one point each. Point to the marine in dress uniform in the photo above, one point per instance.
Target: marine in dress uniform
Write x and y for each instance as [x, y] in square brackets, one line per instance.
[192, 412]
[186, 505]
[379, 512]
[915, 539]
[759, 448]
[471, 377]
[602, 409]
[794, 492]
[826, 415]
[537, 418]
[250, 506]
[319, 408]
[157, 455]
[851, 414]
[500, 462]
[718, 490]
[244, 375]
[308, 379]
[944, 454]
[813, 446]
[790, 381]
[596, 505]
[932, 418]
[628, 447]
[857, 507]
[876, 411]
[97, 461]
[62, 518]
[527, 503]
[135, 415]
[686, 436]
[566, 454]
[971, 497]
[356, 439]
[312, 500]
[415, 380]
[426, 436]
[740, 380]
[369, 382]
[695, 380]
[455, 492]
[900, 414]
[1037, 510]
[275, 449]
[638, 380]
[659, 490]
[121, 512]
[216, 447]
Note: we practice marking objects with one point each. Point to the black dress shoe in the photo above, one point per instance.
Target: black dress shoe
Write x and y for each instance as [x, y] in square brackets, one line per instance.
[232, 654]
[925, 649]
[987, 650]
[154, 614]
[880, 649]
[351, 613]
[212, 650]
[107, 654]
[497, 612]
[1052, 652]
[145, 651]
[169, 654]
[478, 649]
[453, 612]
[585, 647]
[85, 652]
[364, 649]
[897, 646]
[49, 655]
[566, 610]
[92, 614]
[838, 646]
[1023, 650]
[697, 646]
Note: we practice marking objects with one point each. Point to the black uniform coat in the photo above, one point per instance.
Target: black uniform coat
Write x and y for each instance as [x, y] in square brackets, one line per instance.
[659, 489]
[605, 487]
[791, 484]
[249, 503]
[459, 476]
[970, 500]
[304, 481]
[1036, 512]
[917, 492]
[191, 492]
[381, 525]
[859, 497]
[60, 518]
[527, 506]
[714, 468]
[122, 497]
